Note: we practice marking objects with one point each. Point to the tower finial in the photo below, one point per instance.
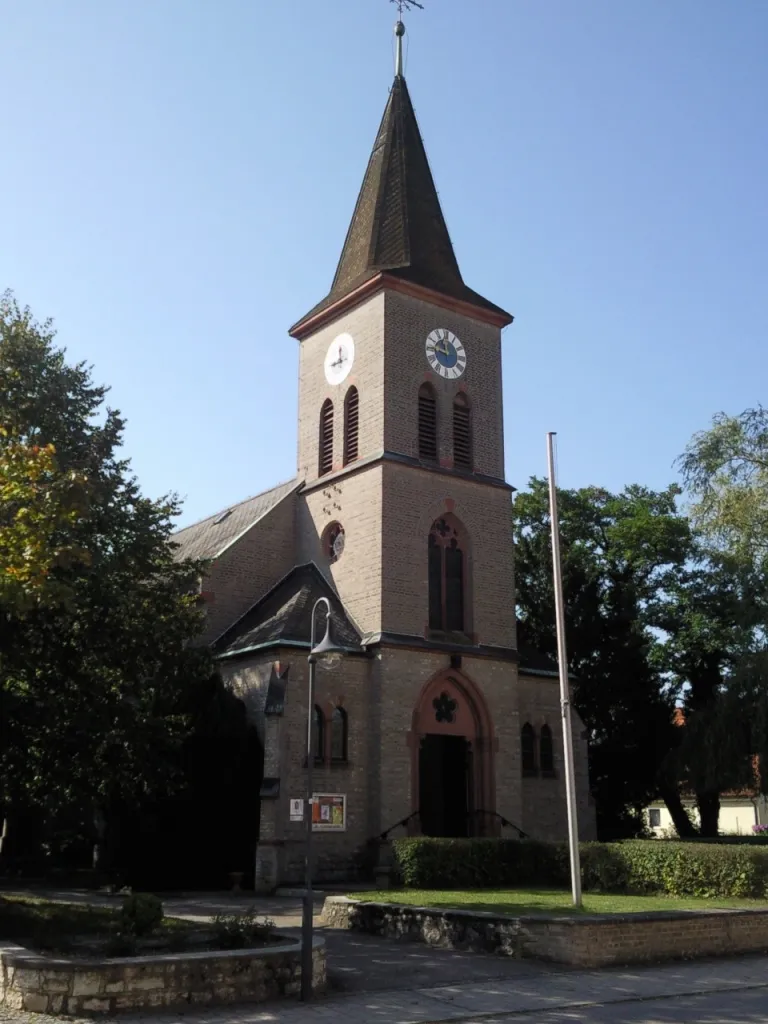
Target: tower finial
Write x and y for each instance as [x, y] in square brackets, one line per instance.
[402, 5]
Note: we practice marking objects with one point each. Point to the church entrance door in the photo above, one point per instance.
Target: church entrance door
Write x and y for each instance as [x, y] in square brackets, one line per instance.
[452, 767]
[444, 786]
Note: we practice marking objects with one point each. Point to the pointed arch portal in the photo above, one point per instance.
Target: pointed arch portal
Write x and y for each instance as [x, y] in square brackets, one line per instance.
[452, 766]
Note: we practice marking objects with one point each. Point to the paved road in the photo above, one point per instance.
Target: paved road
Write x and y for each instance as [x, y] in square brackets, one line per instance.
[380, 982]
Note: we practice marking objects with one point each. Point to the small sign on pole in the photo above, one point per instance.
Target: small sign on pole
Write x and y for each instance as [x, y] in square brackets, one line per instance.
[297, 810]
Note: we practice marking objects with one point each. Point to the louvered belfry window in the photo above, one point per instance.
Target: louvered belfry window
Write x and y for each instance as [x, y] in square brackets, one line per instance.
[351, 424]
[462, 433]
[427, 423]
[326, 438]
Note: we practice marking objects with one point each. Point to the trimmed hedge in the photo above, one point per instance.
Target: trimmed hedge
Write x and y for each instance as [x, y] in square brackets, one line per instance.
[634, 866]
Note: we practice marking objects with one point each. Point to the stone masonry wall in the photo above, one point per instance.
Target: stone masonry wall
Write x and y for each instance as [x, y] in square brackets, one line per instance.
[584, 941]
[57, 986]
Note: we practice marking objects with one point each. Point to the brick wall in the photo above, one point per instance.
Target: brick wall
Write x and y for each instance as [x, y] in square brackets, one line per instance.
[247, 569]
[355, 502]
[408, 323]
[366, 325]
[544, 812]
[588, 941]
[413, 499]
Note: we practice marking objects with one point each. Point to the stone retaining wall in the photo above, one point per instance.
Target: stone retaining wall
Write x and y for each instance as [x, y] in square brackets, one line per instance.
[583, 941]
[58, 986]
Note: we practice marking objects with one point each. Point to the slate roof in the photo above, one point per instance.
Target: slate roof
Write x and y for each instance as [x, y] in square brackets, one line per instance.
[284, 615]
[398, 225]
[211, 536]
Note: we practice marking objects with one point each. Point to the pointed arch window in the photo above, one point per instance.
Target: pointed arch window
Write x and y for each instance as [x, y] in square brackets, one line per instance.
[546, 751]
[325, 461]
[351, 424]
[427, 423]
[528, 749]
[339, 734]
[318, 733]
[462, 432]
[446, 578]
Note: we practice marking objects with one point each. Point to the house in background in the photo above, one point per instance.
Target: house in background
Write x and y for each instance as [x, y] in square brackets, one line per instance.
[739, 811]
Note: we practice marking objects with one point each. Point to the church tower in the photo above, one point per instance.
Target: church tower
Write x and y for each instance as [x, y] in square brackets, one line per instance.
[401, 441]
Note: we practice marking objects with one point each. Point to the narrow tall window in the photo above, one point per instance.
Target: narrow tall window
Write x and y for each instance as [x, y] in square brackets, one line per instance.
[528, 749]
[446, 578]
[318, 733]
[546, 751]
[325, 461]
[462, 433]
[339, 735]
[351, 424]
[427, 423]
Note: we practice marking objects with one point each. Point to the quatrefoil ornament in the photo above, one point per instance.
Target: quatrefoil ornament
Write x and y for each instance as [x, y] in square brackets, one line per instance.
[445, 708]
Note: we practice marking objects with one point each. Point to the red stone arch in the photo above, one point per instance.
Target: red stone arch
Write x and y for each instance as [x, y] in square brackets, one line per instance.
[470, 720]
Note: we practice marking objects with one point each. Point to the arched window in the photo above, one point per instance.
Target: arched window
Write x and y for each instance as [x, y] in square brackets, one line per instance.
[351, 424]
[528, 749]
[318, 734]
[339, 735]
[546, 751]
[325, 461]
[462, 432]
[427, 423]
[446, 578]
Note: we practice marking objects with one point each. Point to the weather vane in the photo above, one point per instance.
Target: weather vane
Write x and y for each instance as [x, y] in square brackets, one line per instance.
[406, 5]
[402, 5]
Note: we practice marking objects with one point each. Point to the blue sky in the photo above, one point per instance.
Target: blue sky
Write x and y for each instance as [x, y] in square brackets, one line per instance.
[178, 176]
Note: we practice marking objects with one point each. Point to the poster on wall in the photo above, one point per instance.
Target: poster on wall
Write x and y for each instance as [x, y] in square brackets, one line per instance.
[297, 810]
[329, 812]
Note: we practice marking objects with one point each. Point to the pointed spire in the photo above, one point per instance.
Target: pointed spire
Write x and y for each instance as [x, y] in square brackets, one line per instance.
[398, 229]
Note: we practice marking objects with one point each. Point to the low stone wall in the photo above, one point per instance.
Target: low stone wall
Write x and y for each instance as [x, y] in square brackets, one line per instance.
[46, 985]
[583, 941]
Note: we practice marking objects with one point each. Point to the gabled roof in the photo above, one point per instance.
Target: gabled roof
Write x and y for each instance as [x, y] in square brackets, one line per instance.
[212, 536]
[283, 616]
[398, 225]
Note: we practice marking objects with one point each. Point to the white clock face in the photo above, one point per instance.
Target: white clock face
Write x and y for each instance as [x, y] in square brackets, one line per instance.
[339, 358]
[446, 354]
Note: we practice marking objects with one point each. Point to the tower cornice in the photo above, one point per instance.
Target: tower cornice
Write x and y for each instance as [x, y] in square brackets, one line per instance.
[382, 281]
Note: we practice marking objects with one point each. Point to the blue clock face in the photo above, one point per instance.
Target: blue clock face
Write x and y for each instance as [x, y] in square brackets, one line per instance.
[446, 354]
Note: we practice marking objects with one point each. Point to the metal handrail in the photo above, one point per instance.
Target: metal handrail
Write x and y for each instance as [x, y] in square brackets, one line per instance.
[398, 824]
[504, 821]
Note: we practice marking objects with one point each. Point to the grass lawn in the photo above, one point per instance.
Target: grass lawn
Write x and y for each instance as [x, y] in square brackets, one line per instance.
[549, 901]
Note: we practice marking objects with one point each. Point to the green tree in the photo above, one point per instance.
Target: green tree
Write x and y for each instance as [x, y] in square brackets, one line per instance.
[725, 470]
[706, 617]
[618, 550]
[37, 504]
[93, 690]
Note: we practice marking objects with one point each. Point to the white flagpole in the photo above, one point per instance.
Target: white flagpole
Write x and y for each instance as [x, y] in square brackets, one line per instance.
[565, 702]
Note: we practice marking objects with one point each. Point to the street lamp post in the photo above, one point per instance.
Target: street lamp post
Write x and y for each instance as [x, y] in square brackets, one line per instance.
[322, 650]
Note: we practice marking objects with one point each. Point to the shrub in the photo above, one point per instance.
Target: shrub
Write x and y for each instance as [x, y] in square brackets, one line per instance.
[141, 913]
[635, 866]
[425, 863]
[238, 931]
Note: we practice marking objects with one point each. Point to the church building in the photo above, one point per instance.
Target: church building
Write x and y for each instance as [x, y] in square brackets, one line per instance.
[433, 722]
